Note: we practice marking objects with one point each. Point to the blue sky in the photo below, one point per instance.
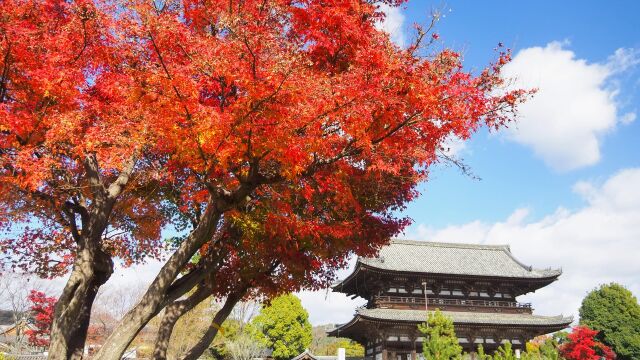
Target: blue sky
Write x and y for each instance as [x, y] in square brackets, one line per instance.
[512, 176]
[562, 185]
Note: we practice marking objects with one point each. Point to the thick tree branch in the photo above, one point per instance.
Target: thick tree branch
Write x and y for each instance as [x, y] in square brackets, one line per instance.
[69, 209]
[155, 297]
[118, 185]
[197, 350]
[92, 170]
[172, 313]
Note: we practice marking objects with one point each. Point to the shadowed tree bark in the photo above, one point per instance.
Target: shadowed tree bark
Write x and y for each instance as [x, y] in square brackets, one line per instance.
[171, 315]
[179, 308]
[92, 266]
[206, 339]
[166, 287]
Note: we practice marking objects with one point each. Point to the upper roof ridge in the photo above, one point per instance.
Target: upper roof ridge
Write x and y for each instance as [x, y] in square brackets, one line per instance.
[451, 244]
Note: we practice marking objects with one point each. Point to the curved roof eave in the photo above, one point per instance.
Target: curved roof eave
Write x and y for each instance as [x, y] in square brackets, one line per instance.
[354, 273]
[561, 323]
[550, 274]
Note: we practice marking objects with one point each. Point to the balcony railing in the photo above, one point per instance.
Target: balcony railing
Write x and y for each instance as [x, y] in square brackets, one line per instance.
[450, 302]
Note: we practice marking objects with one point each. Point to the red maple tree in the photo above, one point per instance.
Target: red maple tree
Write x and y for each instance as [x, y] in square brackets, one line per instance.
[583, 346]
[42, 307]
[296, 122]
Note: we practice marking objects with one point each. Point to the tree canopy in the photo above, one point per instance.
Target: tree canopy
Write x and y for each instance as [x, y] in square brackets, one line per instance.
[542, 348]
[440, 341]
[283, 327]
[613, 311]
[297, 124]
[582, 345]
[324, 345]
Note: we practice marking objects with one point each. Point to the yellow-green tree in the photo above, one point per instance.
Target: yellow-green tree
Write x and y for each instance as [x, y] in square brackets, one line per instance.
[505, 352]
[284, 327]
[351, 348]
[441, 342]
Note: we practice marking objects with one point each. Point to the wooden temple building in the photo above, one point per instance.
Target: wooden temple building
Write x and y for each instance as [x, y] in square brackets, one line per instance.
[475, 285]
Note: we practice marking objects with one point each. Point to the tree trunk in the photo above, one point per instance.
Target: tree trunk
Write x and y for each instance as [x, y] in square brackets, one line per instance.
[158, 295]
[206, 340]
[171, 315]
[73, 308]
[155, 298]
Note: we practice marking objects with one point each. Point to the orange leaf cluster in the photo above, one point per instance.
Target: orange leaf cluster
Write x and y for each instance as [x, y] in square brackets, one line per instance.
[331, 124]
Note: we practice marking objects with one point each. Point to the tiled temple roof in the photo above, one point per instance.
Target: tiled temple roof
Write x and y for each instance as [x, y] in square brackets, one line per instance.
[454, 259]
[467, 317]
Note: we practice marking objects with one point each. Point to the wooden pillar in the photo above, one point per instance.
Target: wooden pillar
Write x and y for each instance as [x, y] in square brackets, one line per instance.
[472, 342]
[414, 355]
[413, 339]
[383, 343]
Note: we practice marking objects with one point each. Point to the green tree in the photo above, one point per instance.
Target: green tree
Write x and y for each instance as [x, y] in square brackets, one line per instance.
[543, 349]
[284, 327]
[351, 348]
[504, 352]
[560, 337]
[481, 355]
[441, 342]
[549, 349]
[615, 312]
[324, 345]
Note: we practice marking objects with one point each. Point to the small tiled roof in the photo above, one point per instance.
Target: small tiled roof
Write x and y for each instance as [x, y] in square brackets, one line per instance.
[466, 317]
[308, 355]
[454, 259]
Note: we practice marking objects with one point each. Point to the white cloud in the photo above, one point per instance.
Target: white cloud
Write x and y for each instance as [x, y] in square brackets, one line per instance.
[595, 244]
[575, 105]
[393, 23]
[327, 307]
[598, 243]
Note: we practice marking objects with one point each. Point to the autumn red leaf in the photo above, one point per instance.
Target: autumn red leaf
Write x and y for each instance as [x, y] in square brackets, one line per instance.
[41, 309]
[582, 345]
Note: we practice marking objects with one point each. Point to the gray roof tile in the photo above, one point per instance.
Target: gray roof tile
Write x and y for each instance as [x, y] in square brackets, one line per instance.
[454, 259]
[462, 317]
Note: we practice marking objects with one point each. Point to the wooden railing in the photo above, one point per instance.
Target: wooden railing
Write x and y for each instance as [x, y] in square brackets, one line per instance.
[450, 302]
